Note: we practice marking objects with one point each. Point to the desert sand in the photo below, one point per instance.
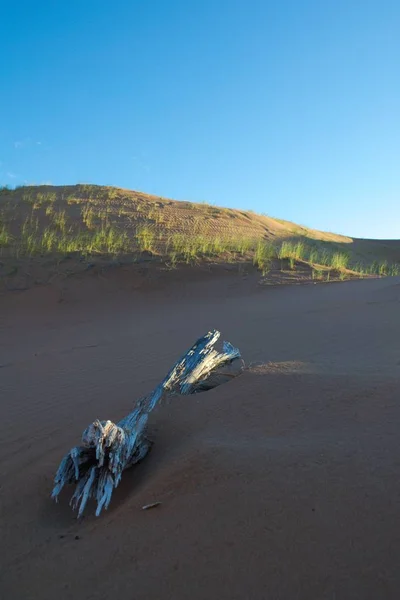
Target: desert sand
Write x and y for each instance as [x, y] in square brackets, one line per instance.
[283, 483]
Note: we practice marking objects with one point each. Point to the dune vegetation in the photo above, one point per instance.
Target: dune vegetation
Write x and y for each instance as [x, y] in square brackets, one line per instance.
[88, 221]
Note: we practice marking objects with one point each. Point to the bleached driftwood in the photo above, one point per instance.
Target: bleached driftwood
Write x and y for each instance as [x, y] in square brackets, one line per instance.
[108, 449]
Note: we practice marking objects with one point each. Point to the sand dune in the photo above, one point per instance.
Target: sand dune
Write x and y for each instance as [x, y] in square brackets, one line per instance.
[283, 483]
[52, 233]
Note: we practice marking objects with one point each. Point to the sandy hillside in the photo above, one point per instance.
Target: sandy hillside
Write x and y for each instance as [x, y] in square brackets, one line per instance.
[90, 205]
[50, 233]
[283, 484]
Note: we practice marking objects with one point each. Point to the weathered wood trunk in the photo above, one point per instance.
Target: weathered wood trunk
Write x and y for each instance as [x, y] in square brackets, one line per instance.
[108, 449]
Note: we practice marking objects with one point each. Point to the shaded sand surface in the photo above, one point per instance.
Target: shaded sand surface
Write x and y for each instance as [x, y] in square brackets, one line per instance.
[282, 484]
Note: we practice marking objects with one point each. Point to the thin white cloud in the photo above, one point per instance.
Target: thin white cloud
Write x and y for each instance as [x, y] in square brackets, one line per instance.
[25, 143]
[11, 175]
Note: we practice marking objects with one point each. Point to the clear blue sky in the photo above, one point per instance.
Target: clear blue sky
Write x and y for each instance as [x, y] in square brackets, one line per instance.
[288, 107]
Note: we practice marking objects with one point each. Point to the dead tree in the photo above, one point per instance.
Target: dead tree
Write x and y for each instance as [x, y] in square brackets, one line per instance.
[108, 449]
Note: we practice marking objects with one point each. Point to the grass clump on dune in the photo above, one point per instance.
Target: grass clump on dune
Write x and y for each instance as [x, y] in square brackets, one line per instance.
[339, 261]
[5, 237]
[264, 255]
[292, 250]
[145, 238]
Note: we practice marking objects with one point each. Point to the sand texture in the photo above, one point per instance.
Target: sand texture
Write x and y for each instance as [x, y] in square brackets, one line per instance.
[283, 483]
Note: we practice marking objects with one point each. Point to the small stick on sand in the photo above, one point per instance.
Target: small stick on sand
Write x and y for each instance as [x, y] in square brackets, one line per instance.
[149, 506]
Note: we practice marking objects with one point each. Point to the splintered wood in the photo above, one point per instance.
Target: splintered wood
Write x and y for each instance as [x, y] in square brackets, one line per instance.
[108, 449]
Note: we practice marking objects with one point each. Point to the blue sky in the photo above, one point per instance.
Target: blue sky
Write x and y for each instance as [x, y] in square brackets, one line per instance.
[289, 107]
